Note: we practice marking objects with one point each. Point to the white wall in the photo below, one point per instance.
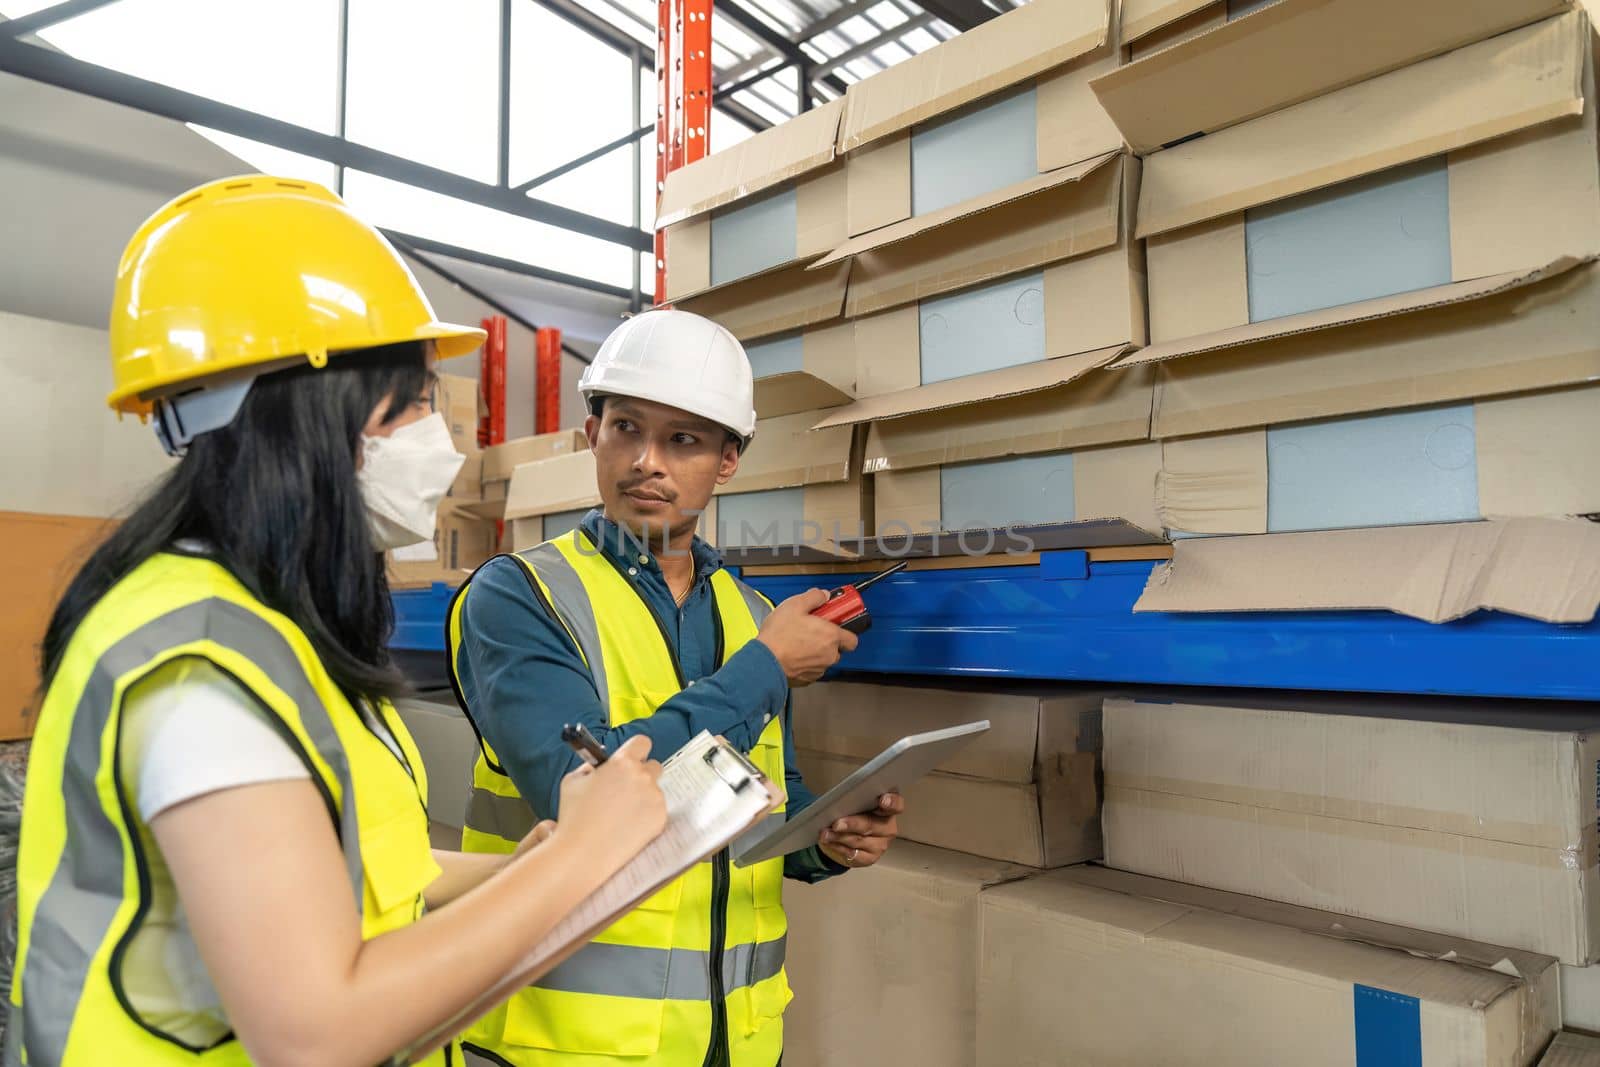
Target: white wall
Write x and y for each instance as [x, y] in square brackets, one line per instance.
[65, 452]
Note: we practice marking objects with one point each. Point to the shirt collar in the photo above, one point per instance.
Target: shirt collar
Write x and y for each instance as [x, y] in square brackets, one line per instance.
[617, 543]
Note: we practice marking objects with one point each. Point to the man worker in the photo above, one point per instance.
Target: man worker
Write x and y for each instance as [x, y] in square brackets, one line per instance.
[630, 625]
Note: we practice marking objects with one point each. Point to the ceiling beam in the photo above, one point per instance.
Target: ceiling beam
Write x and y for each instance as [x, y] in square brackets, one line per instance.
[54, 68]
[49, 16]
[962, 14]
[866, 48]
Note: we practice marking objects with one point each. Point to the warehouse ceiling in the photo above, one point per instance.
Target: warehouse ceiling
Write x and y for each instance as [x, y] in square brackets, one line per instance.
[514, 135]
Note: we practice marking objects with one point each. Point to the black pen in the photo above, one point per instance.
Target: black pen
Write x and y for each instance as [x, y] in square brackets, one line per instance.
[584, 744]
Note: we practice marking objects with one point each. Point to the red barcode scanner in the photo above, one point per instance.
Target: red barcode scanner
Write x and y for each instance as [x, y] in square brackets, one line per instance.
[846, 608]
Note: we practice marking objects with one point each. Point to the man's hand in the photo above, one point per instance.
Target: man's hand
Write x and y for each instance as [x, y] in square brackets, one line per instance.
[805, 646]
[861, 840]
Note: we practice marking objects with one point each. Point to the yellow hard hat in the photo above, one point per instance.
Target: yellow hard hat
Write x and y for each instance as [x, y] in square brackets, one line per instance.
[253, 271]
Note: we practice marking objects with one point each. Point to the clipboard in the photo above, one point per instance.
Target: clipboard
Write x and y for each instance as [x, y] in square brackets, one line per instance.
[888, 772]
[713, 795]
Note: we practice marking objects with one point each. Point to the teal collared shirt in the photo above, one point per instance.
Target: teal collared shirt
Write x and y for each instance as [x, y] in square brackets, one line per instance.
[523, 678]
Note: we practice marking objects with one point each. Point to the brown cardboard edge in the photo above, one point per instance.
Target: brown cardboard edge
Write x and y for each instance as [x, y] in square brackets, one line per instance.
[853, 133]
[915, 227]
[1259, 22]
[818, 393]
[1360, 156]
[1349, 314]
[1164, 13]
[976, 389]
[813, 160]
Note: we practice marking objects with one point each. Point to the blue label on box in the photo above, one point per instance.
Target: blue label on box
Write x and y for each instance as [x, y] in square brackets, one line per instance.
[1388, 1028]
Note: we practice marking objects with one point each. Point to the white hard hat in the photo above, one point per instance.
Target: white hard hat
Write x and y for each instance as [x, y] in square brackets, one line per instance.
[681, 360]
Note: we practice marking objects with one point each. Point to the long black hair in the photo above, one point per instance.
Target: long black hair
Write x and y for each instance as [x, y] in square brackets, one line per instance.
[273, 496]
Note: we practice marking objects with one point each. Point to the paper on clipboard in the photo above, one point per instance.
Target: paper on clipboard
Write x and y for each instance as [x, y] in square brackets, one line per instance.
[713, 795]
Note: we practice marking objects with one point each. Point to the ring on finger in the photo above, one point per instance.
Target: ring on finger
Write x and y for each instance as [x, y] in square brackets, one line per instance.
[850, 859]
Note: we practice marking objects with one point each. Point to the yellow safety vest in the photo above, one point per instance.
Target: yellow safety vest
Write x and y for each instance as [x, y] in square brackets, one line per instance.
[82, 870]
[646, 989]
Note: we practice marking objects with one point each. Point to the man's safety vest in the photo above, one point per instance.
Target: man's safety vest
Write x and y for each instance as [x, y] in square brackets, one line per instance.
[699, 964]
[83, 881]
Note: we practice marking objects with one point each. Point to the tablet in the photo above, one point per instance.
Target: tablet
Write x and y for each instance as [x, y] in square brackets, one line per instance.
[890, 771]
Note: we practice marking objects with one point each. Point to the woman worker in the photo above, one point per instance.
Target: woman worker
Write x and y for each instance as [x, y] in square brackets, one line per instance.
[224, 850]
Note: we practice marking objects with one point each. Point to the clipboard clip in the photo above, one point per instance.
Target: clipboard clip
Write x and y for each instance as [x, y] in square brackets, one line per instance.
[744, 772]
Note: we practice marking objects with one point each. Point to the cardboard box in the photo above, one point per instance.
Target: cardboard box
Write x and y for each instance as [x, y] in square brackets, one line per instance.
[1472, 822]
[789, 299]
[1520, 167]
[42, 555]
[804, 371]
[500, 460]
[1580, 997]
[1025, 792]
[1545, 569]
[1504, 457]
[1572, 1049]
[979, 113]
[799, 493]
[1093, 966]
[559, 486]
[897, 942]
[765, 203]
[460, 401]
[1089, 487]
[1281, 55]
[462, 542]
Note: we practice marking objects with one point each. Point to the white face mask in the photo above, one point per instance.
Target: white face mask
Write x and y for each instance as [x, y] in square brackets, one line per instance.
[403, 477]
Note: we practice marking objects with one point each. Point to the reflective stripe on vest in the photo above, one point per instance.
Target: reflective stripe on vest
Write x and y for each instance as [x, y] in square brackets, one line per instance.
[643, 988]
[79, 855]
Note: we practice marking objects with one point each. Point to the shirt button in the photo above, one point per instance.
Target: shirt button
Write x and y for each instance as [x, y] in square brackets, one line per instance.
[633, 572]
[766, 718]
[691, 681]
[644, 560]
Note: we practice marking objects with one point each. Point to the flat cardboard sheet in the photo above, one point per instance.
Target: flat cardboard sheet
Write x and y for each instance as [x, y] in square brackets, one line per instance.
[1547, 569]
[786, 452]
[928, 223]
[1530, 455]
[1452, 823]
[1001, 52]
[500, 460]
[991, 385]
[1288, 52]
[561, 483]
[1351, 314]
[826, 378]
[772, 303]
[1164, 973]
[1072, 215]
[1522, 331]
[804, 143]
[1478, 93]
[1097, 408]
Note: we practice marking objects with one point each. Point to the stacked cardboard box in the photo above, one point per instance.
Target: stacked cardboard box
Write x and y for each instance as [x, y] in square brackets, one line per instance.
[869, 953]
[1089, 965]
[1026, 792]
[500, 461]
[1571, 1049]
[1459, 817]
[1395, 241]
[462, 538]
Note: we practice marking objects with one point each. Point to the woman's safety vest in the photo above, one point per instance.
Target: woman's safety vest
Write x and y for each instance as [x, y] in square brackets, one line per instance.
[83, 868]
[701, 962]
